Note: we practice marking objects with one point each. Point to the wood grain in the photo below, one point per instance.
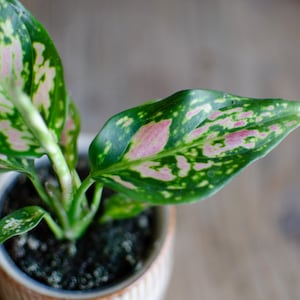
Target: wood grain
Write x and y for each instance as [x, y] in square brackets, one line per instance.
[244, 242]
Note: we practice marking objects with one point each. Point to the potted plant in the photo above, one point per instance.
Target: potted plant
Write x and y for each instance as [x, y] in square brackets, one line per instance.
[181, 149]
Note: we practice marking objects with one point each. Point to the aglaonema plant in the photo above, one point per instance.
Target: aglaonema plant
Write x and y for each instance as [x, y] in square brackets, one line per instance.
[181, 149]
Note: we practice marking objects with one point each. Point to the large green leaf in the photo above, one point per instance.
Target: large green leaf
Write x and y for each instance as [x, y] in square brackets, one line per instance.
[28, 60]
[20, 221]
[189, 145]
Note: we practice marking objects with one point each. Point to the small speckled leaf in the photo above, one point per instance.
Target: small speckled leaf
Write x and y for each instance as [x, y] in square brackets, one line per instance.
[120, 206]
[28, 58]
[189, 145]
[20, 221]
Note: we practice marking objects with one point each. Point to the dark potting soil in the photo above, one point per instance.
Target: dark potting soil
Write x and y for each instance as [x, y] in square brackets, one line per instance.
[105, 255]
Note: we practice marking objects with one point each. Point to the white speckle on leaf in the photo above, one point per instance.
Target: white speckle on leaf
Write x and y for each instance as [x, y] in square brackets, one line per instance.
[124, 121]
[203, 183]
[166, 194]
[220, 100]
[108, 146]
[12, 224]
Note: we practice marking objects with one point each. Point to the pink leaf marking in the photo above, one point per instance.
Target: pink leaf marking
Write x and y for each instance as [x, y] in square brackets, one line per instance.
[149, 140]
[275, 128]
[6, 61]
[227, 122]
[16, 138]
[183, 166]
[195, 111]
[146, 170]
[237, 139]
[11, 57]
[126, 184]
[202, 166]
[196, 133]
[239, 124]
[290, 123]
[11, 62]
[42, 69]
[245, 114]
[215, 115]
[232, 141]
[65, 135]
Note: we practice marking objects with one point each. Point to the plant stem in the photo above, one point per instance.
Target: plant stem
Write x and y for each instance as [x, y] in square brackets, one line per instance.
[26, 166]
[39, 188]
[58, 232]
[39, 129]
[56, 205]
[97, 197]
[79, 197]
[77, 182]
[82, 224]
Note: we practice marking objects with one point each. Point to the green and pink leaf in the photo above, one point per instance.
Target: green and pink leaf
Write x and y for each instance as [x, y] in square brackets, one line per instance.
[189, 145]
[30, 62]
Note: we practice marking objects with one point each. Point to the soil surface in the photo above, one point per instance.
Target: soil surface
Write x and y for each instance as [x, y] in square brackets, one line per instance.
[104, 256]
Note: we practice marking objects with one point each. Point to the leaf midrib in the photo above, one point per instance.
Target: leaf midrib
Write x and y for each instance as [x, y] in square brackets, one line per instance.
[172, 152]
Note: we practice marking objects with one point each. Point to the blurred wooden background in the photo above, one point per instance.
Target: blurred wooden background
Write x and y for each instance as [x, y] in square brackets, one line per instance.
[244, 243]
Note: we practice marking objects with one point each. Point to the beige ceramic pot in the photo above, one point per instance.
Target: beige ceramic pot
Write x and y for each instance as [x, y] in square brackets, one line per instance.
[149, 283]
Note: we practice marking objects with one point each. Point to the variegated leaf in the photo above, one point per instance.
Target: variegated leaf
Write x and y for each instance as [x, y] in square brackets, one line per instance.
[70, 134]
[28, 60]
[20, 221]
[189, 145]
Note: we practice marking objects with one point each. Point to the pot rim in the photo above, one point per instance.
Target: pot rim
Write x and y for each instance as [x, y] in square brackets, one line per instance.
[165, 226]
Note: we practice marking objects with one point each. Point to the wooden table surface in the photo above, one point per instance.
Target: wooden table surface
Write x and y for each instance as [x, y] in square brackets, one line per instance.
[243, 243]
